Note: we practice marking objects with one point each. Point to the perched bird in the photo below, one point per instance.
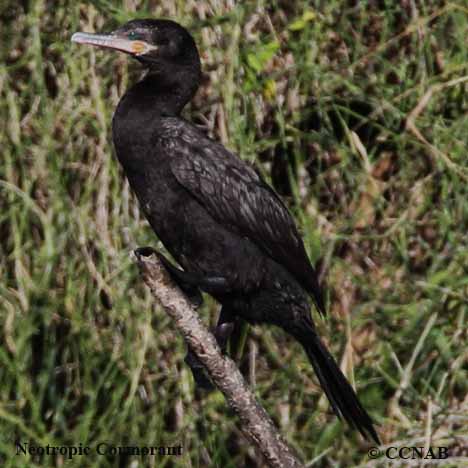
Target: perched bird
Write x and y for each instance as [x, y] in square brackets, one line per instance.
[228, 230]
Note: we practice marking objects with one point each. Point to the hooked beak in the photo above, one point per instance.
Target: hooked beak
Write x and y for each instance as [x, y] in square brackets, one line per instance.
[112, 41]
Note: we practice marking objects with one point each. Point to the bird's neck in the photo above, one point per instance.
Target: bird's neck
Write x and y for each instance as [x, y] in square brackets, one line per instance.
[160, 95]
[141, 110]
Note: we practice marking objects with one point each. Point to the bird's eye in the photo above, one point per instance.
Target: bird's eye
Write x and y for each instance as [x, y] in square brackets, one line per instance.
[133, 35]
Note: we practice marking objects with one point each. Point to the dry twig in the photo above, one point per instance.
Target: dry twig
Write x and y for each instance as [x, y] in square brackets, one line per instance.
[254, 421]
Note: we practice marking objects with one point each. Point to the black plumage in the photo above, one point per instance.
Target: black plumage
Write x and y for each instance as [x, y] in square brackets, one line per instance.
[228, 230]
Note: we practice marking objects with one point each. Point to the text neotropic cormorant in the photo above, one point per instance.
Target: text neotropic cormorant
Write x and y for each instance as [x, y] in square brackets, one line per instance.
[230, 232]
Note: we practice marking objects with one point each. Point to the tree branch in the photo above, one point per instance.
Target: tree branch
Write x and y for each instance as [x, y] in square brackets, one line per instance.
[254, 421]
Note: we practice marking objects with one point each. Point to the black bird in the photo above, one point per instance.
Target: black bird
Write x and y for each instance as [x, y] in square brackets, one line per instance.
[227, 229]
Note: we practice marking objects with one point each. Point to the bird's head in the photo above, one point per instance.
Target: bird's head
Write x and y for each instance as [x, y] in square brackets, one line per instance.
[160, 45]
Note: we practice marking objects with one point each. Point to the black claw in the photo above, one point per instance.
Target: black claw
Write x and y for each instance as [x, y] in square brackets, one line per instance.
[222, 333]
[202, 380]
[144, 252]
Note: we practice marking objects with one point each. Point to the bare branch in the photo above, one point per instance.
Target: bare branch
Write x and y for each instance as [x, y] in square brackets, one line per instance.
[254, 421]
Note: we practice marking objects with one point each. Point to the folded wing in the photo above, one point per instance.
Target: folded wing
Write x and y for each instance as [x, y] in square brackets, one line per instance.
[238, 198]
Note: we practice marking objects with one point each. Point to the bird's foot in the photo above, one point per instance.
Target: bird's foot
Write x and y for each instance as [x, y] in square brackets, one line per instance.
[222, 333]
[179, 277]
[189, 283]
[144, 252]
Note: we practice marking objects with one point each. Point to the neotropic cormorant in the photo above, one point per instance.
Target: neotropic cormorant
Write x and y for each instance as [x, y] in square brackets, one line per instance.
[227, 229]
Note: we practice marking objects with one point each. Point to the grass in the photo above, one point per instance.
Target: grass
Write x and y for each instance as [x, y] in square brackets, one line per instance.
[331, 103]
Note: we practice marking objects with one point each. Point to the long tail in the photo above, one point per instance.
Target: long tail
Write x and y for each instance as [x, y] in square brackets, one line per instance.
[339, 392]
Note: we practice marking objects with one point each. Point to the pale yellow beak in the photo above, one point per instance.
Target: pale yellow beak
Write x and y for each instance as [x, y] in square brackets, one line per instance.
[111, 41]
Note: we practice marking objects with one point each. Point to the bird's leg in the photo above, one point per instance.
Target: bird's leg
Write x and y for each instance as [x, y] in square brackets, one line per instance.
[211, 284]
[189, 282]
[180, 277]
[221, 332]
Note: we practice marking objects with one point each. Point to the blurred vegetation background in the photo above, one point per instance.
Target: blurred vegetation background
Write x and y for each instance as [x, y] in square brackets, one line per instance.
[355, 111]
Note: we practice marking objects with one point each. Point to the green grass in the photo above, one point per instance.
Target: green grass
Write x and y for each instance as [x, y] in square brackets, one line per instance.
[85, 357]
